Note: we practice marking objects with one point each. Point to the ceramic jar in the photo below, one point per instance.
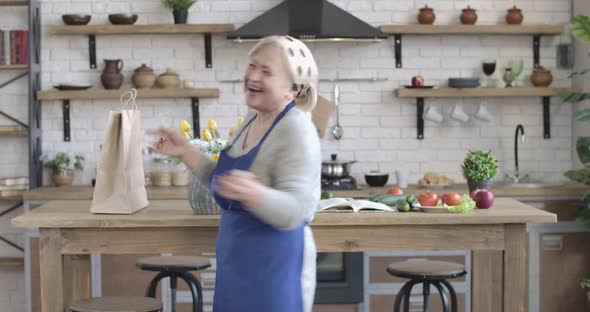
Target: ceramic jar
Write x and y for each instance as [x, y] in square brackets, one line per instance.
[541, 77]
[168, 80]
[468, 17]
[514, 16]
[426, 16]
[143, 77]
[111, 77]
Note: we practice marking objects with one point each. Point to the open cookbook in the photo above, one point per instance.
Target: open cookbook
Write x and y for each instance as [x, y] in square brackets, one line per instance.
[339, 204]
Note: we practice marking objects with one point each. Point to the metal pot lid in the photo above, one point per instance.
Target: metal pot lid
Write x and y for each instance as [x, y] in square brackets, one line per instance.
[334, 161]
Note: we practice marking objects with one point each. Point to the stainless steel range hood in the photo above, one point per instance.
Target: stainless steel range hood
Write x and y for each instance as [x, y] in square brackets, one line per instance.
[309, 20]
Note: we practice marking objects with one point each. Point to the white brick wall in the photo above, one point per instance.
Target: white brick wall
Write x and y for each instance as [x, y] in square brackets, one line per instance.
[380, 130]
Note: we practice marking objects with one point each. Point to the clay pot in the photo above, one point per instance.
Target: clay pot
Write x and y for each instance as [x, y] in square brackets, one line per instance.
[168, 80]
[541, 77]
[111, 77]
[468, 17]
[143, 77]
[514, 16]
[426, 16]
[62, 180]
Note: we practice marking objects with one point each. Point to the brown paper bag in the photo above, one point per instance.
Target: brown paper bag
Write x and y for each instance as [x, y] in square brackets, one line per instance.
[321, 114]
[120, 181]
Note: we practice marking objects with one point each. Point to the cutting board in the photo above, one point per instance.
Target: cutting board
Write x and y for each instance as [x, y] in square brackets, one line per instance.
[321, 114]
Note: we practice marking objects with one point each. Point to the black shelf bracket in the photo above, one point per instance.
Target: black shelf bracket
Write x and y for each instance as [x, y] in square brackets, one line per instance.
[66, 113]
[12, 208]
[208, 58]
[546, 117]
[7, 241]
[22, 124]
[11, 80]
[419, 118]
[536, 51]
[196, 124]
[92, 50]
[397, 39]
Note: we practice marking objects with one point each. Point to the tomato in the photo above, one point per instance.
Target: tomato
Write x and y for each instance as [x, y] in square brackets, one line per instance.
[428, 199]
[451, 199]
[395, 191]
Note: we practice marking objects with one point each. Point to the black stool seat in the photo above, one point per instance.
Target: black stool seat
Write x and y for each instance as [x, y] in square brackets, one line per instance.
[117, 304]
[422, 268]
[173, 263]
[176, 267]
[428, 273]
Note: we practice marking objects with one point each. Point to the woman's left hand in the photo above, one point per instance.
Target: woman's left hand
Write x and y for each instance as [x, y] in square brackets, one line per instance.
[241, 186]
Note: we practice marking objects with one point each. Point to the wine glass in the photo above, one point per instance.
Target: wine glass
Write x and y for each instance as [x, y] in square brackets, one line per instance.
[489, 67]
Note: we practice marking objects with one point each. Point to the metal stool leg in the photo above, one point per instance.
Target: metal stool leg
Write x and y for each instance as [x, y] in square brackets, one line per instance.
[453, 295]
[443, 296]
[400, 296]
[173, 286]
[151, 290]
[426, 294]
[196, 291]
[408, 294]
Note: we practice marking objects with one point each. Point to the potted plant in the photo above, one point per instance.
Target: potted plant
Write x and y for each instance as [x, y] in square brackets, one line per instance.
[179, 9]
[580, 28]
[480, 168]
[64, 166]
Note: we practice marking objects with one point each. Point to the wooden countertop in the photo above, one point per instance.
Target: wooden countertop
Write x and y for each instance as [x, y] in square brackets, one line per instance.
[85, 192]
[177, 213]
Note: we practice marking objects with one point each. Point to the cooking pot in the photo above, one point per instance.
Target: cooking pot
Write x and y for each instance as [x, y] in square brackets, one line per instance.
[335, 168]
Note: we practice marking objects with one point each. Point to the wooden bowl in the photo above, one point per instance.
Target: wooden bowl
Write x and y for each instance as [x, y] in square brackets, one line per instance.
[76, 19]
[123, 19]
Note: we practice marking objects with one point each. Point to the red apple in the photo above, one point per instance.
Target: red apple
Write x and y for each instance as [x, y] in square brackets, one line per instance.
[483, 198]
[417, 81]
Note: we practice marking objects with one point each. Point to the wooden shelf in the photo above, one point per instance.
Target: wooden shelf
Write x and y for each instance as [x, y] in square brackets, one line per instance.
[11, 198]
[108, 29]
[116, 94]
[14, 2]
[12, 262]
[472, 29]
[479, 92]
[16, 66]
[10, 130]
[66, 96]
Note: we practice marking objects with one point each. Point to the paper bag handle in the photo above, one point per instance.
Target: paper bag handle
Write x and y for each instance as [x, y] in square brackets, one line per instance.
[132, 95]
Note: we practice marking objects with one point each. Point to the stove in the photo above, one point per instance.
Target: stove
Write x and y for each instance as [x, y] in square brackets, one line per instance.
[345, 183]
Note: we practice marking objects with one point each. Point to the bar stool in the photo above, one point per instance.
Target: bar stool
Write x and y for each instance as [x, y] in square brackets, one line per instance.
[427, 273]
[176, 267]
[117, 304]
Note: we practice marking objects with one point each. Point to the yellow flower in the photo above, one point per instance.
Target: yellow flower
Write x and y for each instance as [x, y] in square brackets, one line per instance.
[212, 124]
[185, 126]
[206, 135]
[240, 121]
[188, 135]
[215, 157]
[232, 130]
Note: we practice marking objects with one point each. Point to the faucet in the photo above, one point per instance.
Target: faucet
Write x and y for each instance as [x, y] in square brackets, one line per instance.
[516, 178]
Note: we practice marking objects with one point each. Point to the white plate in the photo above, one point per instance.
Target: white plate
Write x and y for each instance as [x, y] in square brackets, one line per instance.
[431, 208]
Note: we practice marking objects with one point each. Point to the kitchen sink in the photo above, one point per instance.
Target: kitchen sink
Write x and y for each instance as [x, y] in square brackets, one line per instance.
[528, 184]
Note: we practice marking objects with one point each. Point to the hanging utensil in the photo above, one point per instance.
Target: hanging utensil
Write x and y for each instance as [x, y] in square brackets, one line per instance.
[337, 130]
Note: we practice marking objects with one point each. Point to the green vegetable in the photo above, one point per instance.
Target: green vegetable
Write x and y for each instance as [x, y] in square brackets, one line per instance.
[411, 199]
[325, 195]
[467, 205]
[403, 206]
[391, 200]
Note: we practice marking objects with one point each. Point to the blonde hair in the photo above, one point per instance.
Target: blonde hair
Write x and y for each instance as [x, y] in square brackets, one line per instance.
[301, 67]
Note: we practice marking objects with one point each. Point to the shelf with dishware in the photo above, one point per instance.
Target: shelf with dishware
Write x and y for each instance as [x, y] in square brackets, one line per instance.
[532, 30]
[170, 93]
[421, 93]
[150, 29]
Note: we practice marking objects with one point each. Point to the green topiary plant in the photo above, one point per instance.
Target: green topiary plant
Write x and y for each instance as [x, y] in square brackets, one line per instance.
[178, 5]
[480, 165]
[64, 164]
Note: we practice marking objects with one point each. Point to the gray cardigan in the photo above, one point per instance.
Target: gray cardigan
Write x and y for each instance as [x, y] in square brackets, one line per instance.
[288, 162]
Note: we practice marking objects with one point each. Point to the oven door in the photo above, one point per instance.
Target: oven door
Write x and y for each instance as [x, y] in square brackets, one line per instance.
[339, 278]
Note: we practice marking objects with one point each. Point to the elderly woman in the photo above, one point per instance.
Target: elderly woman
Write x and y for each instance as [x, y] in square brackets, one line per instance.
[267, 182]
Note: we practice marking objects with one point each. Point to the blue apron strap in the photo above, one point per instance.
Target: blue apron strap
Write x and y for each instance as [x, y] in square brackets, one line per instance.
[279, 117]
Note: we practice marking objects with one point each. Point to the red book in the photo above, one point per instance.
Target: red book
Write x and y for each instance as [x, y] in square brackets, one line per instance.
[18, 45]
[25, 46]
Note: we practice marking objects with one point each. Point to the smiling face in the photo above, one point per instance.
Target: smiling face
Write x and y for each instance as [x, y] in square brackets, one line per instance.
[267, 84]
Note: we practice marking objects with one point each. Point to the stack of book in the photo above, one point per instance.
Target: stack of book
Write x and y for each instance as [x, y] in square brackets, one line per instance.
[14, 47]
[13, 186]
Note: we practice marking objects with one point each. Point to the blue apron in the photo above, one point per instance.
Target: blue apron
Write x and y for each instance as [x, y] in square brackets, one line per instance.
[258, 266]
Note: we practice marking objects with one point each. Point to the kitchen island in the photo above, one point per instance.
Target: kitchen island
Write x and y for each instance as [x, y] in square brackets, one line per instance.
[68, 229]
